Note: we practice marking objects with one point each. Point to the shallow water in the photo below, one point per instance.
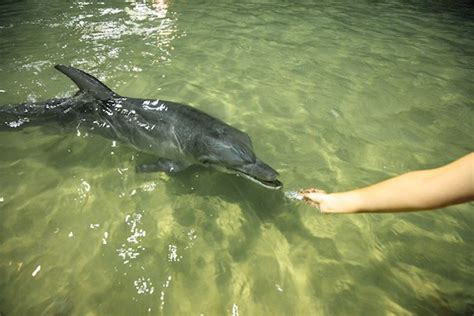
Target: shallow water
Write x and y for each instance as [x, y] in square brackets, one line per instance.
[334, 94]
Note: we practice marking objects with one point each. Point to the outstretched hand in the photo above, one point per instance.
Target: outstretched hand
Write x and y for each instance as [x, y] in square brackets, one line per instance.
[328, 203]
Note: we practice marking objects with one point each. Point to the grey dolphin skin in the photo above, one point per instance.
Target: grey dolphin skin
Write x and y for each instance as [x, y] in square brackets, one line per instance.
[179, 135]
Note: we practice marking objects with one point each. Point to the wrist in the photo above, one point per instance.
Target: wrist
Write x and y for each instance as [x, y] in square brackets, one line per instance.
[345, 202]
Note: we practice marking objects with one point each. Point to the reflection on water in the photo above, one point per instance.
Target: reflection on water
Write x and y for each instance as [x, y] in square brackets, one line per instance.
[335, 95]
[155, 24]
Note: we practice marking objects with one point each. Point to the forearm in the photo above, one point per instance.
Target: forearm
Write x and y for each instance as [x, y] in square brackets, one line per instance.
[419, 190]
[411, 191]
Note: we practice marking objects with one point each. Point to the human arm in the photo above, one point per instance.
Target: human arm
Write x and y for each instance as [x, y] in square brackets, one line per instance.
[418, 190]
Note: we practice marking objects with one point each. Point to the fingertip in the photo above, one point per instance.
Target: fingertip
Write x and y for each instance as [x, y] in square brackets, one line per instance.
[315, 196]
[306, 191]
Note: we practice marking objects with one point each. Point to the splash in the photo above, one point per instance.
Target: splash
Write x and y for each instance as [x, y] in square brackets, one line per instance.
[173, 253]
[144, 286]
[129, 253]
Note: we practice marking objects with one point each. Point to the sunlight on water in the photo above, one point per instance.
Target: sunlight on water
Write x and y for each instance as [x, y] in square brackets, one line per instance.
[334, 95]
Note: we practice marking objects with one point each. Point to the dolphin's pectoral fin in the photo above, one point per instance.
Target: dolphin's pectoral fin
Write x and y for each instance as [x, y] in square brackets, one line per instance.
[164, 165]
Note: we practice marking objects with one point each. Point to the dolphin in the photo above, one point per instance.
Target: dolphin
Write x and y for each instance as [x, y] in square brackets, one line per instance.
[178, 135]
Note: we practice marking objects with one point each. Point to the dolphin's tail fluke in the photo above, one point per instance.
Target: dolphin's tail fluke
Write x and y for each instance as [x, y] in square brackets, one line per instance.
[87, 83]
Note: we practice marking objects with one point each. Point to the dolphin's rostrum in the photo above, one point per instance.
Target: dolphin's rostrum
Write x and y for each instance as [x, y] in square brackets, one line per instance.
[180, 135]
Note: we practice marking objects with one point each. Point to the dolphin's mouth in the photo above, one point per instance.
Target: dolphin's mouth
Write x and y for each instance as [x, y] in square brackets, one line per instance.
[271, 182]
[272, 185]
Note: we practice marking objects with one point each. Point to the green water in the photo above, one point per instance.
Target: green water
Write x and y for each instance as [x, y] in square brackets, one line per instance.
[334, 94]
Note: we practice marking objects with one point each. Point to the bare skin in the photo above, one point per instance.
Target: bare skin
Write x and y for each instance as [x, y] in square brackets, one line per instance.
[412, 191]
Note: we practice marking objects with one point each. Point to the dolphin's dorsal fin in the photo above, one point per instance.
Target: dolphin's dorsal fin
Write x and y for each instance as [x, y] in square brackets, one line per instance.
[87, 83]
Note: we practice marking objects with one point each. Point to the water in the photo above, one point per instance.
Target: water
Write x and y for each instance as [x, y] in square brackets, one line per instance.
[334, 94]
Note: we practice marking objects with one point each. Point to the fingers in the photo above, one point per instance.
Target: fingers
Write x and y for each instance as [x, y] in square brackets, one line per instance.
[313, 204]
[311, 190]
[324, 202]
[314, 195]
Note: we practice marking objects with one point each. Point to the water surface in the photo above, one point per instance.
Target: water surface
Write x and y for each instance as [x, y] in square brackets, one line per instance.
[334, 94]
